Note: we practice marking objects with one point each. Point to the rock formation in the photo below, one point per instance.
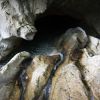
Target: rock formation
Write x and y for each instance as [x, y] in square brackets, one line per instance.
[17, 21]
[70, 71]
[75, 77]
[8, 75]
[18, 17]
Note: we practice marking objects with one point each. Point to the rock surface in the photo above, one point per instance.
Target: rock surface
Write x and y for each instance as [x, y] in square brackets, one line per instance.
[31, 80]
[72, 39]
[90, 63]
[17, 21]
[93, 47]
[67, 84]
[77, 78]
[91, 72]
[8, 75]
[76, 75]
[38, 74]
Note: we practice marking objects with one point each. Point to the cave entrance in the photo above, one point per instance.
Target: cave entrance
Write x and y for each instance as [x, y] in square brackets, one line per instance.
[49, 28]
[55, 25]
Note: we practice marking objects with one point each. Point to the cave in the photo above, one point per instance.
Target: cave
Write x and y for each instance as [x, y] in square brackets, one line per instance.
[49, 28]
[49, 50]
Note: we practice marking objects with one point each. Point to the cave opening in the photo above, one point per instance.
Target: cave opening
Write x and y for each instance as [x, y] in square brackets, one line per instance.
[54, 25]
[49, 28]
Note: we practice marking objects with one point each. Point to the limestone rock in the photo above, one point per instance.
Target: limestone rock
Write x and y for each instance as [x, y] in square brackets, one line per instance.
[72, 39]
[67, 84]
[90, 63]
[17, 17]
[93, 46]
[8, 75]
[38, 74]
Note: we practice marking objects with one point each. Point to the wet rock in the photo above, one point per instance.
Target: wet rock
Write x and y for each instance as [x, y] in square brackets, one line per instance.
[67, 82]
[38, 74]
[8, 75]
[7, 45]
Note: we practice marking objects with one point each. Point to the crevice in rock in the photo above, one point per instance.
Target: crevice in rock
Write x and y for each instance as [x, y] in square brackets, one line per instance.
[46, 90]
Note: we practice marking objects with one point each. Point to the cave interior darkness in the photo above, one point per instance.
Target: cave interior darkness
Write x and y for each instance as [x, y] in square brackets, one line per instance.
[49, 28]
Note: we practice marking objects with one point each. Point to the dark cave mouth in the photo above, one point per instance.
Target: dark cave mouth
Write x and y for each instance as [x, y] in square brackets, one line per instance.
[49, 29]
[55, 25]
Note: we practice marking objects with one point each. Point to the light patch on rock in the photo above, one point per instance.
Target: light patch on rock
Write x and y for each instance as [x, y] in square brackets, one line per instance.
[91, 69]
[38, 73]
[94, 45]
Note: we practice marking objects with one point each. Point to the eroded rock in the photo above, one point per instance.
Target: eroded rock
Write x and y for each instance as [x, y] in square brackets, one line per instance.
[8, 75]
[38, 74]
[7, 45]
[91, 72]
[67, 84]
[73, 38]
[76, 76]
[17, 21]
